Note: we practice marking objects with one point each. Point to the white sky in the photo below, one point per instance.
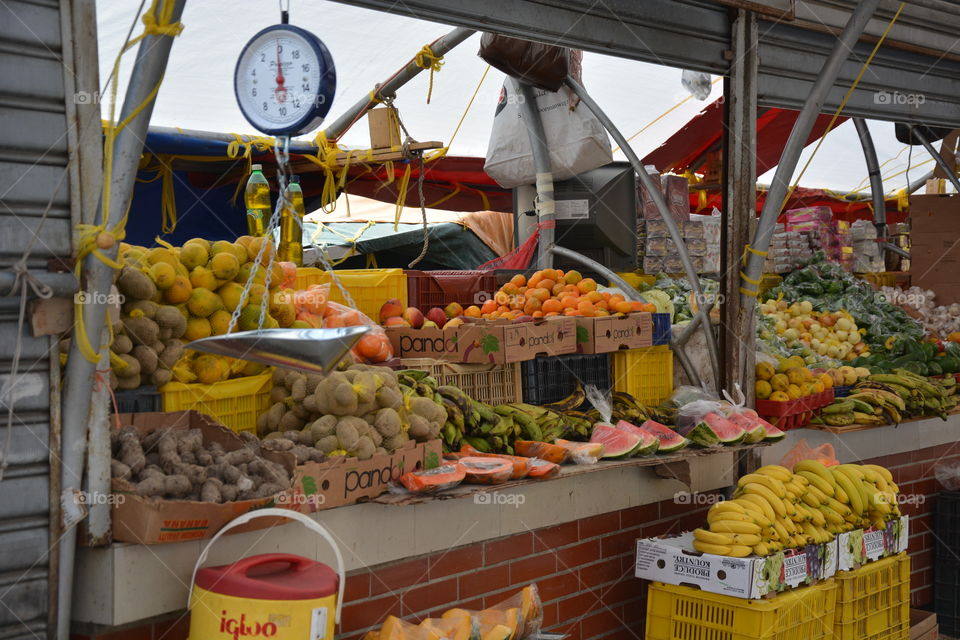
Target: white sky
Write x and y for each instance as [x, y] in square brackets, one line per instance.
[367, 46]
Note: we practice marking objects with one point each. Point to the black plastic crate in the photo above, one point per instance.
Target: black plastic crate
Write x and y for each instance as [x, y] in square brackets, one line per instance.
[661, 329]
[145, 399]
[946, 590]
[947, 528]
[549, 379]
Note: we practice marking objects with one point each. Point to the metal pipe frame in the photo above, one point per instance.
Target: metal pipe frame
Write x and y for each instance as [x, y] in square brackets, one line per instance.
[544, 203]
[798, 136]
[876, 180]
[657, 196]
[950, 171]
[440, 47]
[148, 69]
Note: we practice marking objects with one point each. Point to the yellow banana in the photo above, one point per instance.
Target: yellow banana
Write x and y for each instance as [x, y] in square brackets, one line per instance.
[739, 551]
[748, 539]
[789, 525]
[893, 487]
[768, 481]
[782, 534]
[731, 526]
[765, 493]
[800, 540]
[831, 516]
[815, 467]
[821, 497]
[762, 549]
[712, 537]
[780, 473]
[810, 499]
[817, 481]
[729, 515]
[883, 471]
[761, 503]
[840, 494]
[715, 549]
[852, 470]
[726, 505]
[852, 491]
[879, 523]
[800, 480]
[839, 507]
[795, 488]
[816, 516]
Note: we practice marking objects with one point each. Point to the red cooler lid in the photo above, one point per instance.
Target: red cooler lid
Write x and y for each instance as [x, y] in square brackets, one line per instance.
[271, 576]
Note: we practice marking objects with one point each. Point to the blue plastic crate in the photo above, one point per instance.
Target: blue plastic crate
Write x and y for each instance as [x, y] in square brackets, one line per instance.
[842, 391]
[661, 329]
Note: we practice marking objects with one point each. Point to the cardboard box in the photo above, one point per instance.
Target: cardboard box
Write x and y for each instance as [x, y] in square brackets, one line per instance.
[340, 481]
[487, 342]
[152, 521]
[860, 546]
[676, 191]
[923, 625]
[674, 561]
[935, 256]
[611, 333]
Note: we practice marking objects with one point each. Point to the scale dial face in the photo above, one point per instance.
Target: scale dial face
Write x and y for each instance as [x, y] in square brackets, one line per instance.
[285, 81]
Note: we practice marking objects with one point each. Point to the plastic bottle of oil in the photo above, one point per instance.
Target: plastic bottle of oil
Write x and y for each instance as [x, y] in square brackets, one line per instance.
[257, 199]
[291, 224]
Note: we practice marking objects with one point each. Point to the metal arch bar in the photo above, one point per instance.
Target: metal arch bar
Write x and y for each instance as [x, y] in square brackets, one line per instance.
[544, 204]
[951, 173]
[876, 180]
[664, 213]
[440, 46]
[148, 69]
[798, 136]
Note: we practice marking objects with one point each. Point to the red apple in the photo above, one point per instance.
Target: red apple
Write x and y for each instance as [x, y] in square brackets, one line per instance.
[453, 310]
[392, 308]
[414, 316]
[437, 315]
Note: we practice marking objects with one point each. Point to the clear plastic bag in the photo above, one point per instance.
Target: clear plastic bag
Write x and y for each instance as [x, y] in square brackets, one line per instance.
[374, 346]
[519, 616]
[686, 394]
[948, 475]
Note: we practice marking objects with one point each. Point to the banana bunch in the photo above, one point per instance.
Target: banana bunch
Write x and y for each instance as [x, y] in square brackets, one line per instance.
[775, 509]
[626, 407]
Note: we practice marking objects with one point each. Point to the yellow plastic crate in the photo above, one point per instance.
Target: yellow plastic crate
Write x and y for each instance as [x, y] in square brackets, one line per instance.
[685, 613]
[646, 374]
[369, 288]
[636, 279]
[873, 602]
[235, 403]
[880, 278]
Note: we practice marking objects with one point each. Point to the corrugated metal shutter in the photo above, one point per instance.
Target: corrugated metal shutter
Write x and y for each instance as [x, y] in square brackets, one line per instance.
[33, 156]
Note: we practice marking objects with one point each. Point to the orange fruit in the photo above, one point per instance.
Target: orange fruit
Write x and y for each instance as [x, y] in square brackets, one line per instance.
[587, 285]
[586, 308]
[333, 321]
[557, 288]
[594, 296]
[473, 311]
[537, 314]
[489, 306]
[547, 284]
[622, 307]
[551, 304]
[615, 298]
[550, 314]
[571, 312]
[518, 280]
[569, 302]
[534, 280]
[572, 288]
[573, 277]
[540, 293]
[533, 304]
[374, 347]
[603, 304]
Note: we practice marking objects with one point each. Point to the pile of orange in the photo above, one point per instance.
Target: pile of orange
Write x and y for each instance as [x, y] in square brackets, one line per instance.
[553, 292]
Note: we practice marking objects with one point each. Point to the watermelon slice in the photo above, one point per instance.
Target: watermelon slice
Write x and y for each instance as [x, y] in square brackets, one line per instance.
[773, 434]
[670, 440]
[727, 432]
[616, 442]
[650, 443]
[751, 423]
[701, 435]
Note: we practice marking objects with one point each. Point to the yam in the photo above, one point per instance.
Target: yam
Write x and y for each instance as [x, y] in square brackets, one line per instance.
[374, 435]
[279, 375]
[277, 444]
[301, 412]
[187, 457]
[146, 308]
[228, 492]
[343, 401]
[323, 427]
[250, 440]
[348, 432]
[239, 456]
[172, 352]
[395, 442]
[266, 490]
[364, 448]
[389, 398]
[210, 491]
[290, 421]
[132, 368]
[278, 394]
[271, 471]
[147, 358]
[135, 284]
[312, 380]
[169, 317]
[189, 440]
[303, 453]
[151, 470]
[204, 458]
[298, 391]
[387, 422]
[128, 382]
[161, 377]
[120, 470]
[131, 451]
[177, 486]
[327, 444]
[165, 333]
[419, 427]
[121, 344]
[310, 404]
[141, 330]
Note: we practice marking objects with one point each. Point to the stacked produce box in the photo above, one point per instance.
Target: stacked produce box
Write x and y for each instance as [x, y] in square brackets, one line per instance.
[898, 234]
[866, 252]
[701, 236]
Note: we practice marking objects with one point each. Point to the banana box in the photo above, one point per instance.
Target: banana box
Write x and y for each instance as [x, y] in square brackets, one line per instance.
[861, 546]
[673, 560]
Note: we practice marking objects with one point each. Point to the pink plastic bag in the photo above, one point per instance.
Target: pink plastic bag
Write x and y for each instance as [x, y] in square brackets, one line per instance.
[824, 454]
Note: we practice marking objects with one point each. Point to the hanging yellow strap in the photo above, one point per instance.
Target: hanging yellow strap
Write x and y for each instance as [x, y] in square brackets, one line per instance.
[843, 102]
[903, 200]
[401, 196]
[753, 293]
[425, 59]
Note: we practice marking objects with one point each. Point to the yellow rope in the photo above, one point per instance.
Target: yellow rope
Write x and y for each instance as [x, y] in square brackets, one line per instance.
[93, 239]
[436, 154]
[843, 102]
[425, 59]
[663, 115]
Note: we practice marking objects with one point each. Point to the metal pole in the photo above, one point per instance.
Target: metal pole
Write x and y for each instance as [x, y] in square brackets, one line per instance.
[544, 204]
[876, 181]
[657, 196]
[951, 173]
[148, 70]
[617, 281]
[440, 46]
[798, 137]
[919, 182]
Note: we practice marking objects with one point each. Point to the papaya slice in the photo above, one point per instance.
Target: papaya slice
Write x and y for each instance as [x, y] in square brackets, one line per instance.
[456, 627]
[392, 629]
[441, 478]
[495, 632]
[544, 450]
[542, 470]
[486, 470]
[508, 618]
[465, 626]
[521, 465]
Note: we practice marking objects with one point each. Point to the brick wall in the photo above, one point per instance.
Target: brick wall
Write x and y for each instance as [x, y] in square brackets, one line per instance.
[913, 473]
[584, 569]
